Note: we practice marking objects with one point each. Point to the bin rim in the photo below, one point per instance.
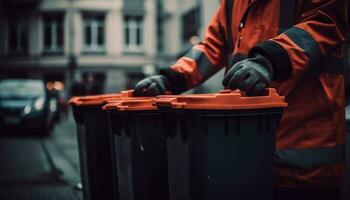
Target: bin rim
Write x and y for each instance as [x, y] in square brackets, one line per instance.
[224, 100]
[98, 100]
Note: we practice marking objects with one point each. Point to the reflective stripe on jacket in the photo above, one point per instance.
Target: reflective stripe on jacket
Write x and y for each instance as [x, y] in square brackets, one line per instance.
[303, 40]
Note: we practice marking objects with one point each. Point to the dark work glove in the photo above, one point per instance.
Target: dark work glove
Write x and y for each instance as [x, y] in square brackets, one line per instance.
[152, 86]
[251, 75]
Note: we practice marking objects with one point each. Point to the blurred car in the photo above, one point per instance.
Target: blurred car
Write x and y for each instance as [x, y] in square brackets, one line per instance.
[25, 104]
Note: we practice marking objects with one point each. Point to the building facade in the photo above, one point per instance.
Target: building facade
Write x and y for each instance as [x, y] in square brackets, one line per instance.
[118, 41]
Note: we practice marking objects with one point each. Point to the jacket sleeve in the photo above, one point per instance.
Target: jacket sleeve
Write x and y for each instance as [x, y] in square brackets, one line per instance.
[319, 31]
[203, 60]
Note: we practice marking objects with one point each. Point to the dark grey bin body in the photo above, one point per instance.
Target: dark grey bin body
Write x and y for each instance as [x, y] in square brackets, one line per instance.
[140, 155]
[221, 154]
[95, 153]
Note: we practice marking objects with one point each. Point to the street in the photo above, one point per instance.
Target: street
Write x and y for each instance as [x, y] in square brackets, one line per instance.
[40, 168]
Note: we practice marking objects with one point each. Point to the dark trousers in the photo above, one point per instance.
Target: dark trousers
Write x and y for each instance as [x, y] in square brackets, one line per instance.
[304, 194]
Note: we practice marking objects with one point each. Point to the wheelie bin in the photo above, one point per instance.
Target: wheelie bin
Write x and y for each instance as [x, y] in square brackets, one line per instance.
[221, 146]
[94, 145]
[140, 149]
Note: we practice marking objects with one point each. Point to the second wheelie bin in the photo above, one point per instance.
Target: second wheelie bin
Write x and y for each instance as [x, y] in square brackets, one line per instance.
[221, 146]
[140, 149]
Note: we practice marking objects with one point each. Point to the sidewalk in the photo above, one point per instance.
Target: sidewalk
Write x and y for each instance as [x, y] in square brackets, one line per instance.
[65, 138]
[40, 168]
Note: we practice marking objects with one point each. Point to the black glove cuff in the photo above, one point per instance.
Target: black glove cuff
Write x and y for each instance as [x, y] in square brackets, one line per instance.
[277, 55]
[176, 81]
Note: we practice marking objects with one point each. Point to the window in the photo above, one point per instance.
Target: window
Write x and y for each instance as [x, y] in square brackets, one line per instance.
[94, 33]
[190, 24]
[18, 37]
[53, 33]
[160, 26]
[133, 33]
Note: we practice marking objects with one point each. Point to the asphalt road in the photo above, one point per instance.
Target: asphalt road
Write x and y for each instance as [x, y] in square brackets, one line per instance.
[40, 168]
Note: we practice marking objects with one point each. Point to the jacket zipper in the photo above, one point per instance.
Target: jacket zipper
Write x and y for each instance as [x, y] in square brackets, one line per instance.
[243, 20]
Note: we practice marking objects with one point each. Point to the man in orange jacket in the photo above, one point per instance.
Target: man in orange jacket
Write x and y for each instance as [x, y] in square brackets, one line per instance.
[294, 46]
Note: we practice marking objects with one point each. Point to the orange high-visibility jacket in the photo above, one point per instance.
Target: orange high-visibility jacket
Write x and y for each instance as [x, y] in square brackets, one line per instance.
[303, 40]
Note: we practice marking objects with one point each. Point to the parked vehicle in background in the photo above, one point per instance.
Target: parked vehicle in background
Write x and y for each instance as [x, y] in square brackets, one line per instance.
[26, 104]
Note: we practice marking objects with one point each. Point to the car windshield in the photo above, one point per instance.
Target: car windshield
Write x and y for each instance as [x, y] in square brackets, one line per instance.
[19, 88]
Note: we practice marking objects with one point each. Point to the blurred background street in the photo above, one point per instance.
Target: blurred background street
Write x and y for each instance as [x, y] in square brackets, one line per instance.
[77, 47]
[108, 45]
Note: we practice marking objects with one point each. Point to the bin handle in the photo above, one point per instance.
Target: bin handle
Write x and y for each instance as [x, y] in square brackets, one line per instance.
[130, 93]
[127, 93]
[267, 92]
[165, 100]
[74, 101]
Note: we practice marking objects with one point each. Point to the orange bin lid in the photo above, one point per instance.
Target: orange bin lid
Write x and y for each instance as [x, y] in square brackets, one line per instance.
[97, 100]
[225, 100]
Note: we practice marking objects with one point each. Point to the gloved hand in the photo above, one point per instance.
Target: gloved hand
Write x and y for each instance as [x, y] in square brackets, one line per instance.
[152, 86]
[251, 75]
